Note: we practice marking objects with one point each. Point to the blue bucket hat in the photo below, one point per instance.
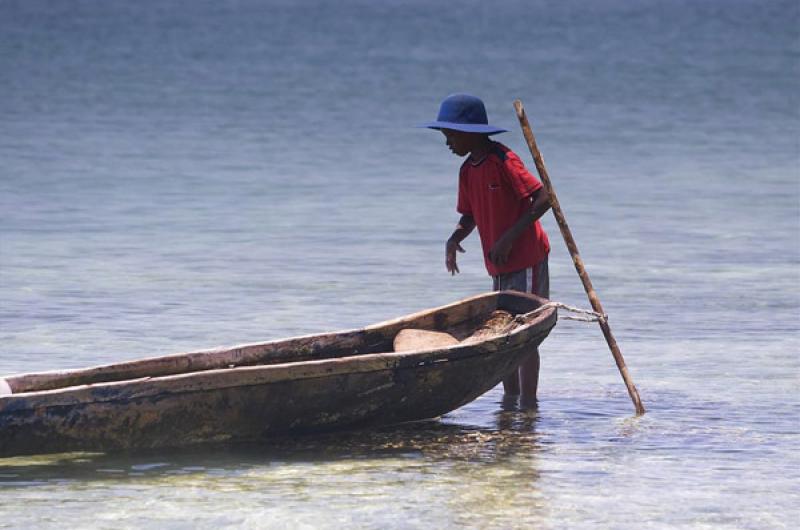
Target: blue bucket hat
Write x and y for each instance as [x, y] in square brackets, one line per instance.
[462, 112]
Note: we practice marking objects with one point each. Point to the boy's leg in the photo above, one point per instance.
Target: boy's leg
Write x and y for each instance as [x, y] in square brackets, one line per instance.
[514, 281]
[536, 280]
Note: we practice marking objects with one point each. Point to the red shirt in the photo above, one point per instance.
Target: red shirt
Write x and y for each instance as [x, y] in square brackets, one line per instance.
[495, 192]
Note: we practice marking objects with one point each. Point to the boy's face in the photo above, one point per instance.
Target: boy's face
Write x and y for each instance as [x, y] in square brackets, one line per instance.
[460, 143]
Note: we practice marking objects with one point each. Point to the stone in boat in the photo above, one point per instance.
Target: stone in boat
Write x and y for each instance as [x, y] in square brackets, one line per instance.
[312, 383]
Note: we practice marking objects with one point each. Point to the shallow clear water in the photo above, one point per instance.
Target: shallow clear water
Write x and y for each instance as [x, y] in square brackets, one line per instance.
[183, 175]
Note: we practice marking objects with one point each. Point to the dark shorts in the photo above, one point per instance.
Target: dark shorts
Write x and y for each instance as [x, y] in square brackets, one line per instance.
[534, 280]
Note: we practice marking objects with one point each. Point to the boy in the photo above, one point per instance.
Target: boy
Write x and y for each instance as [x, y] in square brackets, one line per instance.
[504, 201]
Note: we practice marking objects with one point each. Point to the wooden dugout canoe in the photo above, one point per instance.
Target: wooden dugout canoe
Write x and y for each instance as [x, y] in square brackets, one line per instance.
[304, 384]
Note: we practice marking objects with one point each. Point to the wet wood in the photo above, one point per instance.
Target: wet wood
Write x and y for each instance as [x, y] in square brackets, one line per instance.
[311, 383]
[572, 246]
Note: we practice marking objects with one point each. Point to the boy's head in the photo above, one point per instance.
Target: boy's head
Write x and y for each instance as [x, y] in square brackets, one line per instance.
[463, 143]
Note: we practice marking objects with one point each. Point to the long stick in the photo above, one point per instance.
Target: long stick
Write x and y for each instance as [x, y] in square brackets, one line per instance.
[576, 257]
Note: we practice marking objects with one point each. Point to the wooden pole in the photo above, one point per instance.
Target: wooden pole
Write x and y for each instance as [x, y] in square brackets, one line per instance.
[576, 257]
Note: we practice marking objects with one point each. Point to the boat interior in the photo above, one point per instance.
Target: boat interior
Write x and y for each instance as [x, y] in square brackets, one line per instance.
[471, 320]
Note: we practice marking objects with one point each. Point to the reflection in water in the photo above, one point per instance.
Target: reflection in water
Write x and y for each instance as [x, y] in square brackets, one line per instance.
[489, 464]
[513, 433]
[445, 471]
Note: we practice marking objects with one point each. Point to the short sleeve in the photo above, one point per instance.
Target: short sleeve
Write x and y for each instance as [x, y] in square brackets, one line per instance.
[463, 207]
[522, 182]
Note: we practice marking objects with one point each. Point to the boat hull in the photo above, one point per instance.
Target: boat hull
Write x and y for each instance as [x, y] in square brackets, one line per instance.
[249, 403]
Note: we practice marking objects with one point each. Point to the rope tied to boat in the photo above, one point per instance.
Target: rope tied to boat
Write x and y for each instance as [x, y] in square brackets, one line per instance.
[583, 315]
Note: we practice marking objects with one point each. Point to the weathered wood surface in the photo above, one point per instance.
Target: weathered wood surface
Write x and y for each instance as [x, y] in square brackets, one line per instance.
[332, 381]
[370, 339]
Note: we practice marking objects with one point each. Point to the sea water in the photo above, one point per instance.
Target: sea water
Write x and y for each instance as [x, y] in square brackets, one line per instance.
[183, 175]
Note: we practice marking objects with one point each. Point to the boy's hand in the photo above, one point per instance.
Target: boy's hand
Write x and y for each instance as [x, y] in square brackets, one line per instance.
[500, 251]
[450, 256]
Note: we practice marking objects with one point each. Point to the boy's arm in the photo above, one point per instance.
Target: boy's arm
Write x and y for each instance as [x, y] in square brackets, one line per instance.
[539, 204]
[465, 226]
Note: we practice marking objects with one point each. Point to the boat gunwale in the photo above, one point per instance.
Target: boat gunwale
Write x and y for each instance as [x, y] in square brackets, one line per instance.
[251, 345]
[258, 374]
